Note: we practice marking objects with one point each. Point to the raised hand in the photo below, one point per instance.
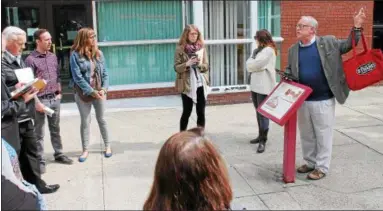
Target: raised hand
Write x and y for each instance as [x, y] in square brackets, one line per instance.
[360, 18]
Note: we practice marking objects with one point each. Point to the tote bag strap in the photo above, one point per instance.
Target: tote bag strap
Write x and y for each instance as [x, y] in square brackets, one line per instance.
[353, 43]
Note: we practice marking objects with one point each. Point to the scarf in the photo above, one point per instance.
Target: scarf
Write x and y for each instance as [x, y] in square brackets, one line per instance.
[191, 48]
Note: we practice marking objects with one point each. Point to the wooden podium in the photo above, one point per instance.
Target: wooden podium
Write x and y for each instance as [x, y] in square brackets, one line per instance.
[281, 107]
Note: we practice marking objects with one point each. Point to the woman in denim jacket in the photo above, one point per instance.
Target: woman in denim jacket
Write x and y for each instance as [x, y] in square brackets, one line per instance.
[86, 61]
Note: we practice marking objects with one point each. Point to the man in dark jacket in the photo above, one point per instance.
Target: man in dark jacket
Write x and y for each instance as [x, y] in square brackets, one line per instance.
[15, 43]
[10, 109]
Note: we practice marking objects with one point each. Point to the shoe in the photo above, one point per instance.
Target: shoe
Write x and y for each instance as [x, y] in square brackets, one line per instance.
[261, 146]
[316, 175]
[304, 169]
[83, 158]
[48, 189]
[108, 155]
[64, 160]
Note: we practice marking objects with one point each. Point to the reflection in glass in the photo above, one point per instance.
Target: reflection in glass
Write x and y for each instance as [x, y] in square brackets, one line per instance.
[26, 18]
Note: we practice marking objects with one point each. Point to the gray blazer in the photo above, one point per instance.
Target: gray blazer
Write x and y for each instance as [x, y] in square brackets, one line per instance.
[330, 50]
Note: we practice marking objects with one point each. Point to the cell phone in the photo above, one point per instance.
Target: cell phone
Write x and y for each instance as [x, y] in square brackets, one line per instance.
[193, 55]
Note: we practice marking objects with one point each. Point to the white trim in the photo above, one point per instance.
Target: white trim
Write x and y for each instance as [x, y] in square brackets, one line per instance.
[229, 89]
[166, 41]
[94, 16]
[137, 42]
[237, 41]
[212, 90]
[183, 14]
[141, 86]
[198, 15]
[254, 21]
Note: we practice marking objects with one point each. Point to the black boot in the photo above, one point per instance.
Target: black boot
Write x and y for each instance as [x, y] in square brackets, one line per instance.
[256, 140]
[262, 141]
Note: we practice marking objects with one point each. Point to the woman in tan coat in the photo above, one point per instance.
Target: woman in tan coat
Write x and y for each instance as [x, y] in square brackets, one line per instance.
[190, 63]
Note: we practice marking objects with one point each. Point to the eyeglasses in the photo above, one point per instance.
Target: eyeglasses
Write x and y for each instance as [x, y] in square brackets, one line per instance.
[93, 37]
[300, 26]
[193, 33]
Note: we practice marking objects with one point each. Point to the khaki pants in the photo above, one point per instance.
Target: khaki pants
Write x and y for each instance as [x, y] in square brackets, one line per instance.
[316, 121]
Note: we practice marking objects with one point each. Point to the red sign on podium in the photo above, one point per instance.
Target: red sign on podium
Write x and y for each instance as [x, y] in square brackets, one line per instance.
[281, 106]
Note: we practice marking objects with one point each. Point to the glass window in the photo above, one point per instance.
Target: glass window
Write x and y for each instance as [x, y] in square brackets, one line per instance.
[224, 20]
[139, 20]
[136, 64]
[269, 17]
[228, 64]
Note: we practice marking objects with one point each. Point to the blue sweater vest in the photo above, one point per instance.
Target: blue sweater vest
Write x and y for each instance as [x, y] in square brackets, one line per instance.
[311, 73]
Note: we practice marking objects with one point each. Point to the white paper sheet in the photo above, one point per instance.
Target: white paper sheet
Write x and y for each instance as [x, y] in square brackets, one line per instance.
[200, 55]
[25, 75]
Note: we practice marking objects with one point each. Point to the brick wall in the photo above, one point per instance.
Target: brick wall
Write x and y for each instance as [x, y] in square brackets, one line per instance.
[334, 18]
[213, 99]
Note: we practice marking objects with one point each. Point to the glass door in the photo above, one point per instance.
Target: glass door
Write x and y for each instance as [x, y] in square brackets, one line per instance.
[67, 20]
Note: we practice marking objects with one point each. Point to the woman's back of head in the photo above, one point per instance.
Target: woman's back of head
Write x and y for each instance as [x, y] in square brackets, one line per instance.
[189, 175]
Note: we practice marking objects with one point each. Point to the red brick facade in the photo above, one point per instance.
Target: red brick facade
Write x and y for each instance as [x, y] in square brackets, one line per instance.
[334, 18]
[213, 99]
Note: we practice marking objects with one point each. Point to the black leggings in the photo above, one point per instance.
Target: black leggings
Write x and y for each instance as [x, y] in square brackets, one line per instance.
[187, 104]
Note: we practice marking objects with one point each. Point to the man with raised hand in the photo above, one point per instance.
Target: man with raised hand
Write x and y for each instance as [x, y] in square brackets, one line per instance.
[317, 62]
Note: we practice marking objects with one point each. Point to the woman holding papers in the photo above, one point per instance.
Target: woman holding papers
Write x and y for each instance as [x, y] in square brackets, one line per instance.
[190, 63]
[90, 83]
[261, 65]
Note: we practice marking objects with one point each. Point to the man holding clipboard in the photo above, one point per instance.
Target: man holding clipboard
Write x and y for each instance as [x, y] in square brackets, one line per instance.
[317, 63]
[15, 43]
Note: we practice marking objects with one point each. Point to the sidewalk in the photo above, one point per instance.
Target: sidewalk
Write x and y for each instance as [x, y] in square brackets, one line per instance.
[139, 127]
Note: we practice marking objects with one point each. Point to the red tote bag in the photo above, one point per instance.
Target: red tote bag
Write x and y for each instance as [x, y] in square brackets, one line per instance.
[363, 69]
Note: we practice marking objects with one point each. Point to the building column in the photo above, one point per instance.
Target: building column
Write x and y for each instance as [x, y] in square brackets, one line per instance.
[198, 15]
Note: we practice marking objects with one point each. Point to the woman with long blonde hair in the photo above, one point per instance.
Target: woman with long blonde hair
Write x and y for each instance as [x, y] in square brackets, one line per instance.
[90, 81]
[190, 63]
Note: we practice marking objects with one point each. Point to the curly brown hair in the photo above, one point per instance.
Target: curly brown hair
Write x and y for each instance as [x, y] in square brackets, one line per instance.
[184, 37]
[189, 175]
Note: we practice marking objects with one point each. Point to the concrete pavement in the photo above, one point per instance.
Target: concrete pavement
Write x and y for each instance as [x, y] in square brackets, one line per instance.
[139, 127]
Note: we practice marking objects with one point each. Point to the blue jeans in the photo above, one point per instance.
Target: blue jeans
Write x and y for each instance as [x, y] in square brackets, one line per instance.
[263, 122]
